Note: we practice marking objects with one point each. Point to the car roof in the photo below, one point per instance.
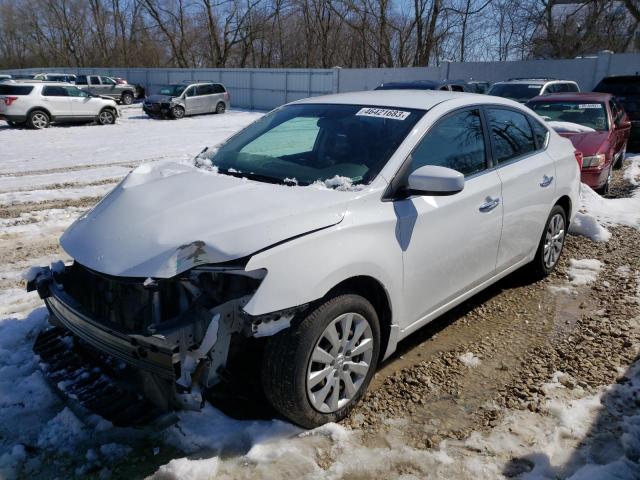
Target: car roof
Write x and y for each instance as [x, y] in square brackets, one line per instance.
[540, 81]
[621, 78]
[586, 96]
[420, 99]
[35, 83]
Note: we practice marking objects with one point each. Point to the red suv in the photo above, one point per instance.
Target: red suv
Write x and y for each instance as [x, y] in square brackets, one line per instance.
[597, 126]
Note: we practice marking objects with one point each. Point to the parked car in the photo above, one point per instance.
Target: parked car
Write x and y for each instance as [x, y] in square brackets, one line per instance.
[596, 125]
[310, 236]
[447, 85]
[38, 104]
[524, 89]
[107, 87]
[626, 89]
[23, 76]
[182, 99]
[56, 77]
[478, 86]
[4, 77]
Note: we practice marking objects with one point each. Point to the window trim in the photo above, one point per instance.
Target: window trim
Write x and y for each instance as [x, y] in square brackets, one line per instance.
[523, 155]
[391, 192]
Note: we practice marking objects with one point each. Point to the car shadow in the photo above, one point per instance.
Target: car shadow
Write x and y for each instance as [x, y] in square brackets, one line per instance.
[610, 448]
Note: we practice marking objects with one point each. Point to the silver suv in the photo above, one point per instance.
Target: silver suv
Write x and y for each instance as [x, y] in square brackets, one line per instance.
[524, 89]
[182, 99]
[107, 87]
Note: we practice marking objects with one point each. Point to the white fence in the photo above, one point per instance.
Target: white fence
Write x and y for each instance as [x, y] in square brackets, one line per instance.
[266, 88]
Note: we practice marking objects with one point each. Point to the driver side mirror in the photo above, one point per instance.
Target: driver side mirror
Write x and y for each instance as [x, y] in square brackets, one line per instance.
[435, 180]
[622, 123]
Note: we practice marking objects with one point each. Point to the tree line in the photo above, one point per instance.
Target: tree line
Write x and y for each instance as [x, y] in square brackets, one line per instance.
[306, 33]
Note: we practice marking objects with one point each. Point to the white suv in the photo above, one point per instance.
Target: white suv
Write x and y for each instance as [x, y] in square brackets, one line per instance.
[37, 104]
[524, 89]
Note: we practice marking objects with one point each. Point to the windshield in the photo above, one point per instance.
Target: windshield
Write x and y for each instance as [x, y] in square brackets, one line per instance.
[172, 90]
[516, 91]
[302, 144]
[589, 114]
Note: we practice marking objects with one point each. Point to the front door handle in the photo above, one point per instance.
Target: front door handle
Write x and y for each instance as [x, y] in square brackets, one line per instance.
[490, 204]
[546, 181]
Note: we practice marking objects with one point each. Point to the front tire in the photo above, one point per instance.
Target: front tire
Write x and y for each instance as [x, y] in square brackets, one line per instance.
[620, 162]
[38, 119]
[604, 189]
[177, 112]
[126, 98]
[106, 117]
[551, 244]
[318, 369]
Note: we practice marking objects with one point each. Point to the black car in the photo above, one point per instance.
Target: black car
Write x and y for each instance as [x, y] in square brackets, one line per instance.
[626, 89]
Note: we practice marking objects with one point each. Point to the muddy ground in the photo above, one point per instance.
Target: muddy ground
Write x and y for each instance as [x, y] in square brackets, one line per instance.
[521, 332]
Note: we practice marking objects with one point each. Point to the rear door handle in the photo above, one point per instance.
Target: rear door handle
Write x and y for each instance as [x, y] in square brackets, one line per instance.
[546, 181]
[490, 204]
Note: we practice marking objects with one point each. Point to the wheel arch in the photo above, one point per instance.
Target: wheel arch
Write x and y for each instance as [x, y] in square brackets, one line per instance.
[372, 290]
[43, 109]
[565, 202]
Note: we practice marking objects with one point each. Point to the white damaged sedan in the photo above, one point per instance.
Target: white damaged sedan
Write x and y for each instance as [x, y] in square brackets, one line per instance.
[318, 236]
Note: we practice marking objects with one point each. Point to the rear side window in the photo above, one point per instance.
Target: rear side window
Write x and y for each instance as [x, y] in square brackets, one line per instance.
[511, 134]
[217, 88]
[15, 90]
[54, 91]
[456, 142]
[81, 80]
[205, 89]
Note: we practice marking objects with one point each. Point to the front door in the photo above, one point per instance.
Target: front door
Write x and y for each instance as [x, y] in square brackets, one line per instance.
[528, 175]
[83, 104]
[450, 243]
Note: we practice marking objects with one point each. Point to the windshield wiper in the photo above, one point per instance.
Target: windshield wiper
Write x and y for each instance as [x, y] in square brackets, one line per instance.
[252, 176]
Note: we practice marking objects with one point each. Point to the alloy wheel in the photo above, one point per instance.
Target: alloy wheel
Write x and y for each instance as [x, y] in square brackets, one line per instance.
[106, 118]
[554, 240]
[339, 362]
[39, 120]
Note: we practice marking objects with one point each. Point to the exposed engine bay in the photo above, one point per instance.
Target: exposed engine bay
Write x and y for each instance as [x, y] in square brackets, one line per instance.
[176, 333]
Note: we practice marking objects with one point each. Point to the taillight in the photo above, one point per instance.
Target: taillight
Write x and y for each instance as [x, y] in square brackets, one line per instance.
[9, 100]
[227, 97]
[578, 158]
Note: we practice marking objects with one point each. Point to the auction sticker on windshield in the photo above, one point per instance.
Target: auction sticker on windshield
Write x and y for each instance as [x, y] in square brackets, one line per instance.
[589, 105]
[383, 113]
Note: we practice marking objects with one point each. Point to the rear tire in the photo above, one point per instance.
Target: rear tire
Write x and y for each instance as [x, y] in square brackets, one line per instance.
[551, 244]
[316, 371]
[221, 107]
[177, 112]
[107, 117]
[126, 98]
[38, 119]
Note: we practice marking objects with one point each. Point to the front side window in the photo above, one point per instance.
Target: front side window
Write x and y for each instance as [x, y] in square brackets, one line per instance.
[191, 92]
[586, 113]
[75, 92]
[511, 134]
[456, 142]
[316, 142]
[54, 91]
[94, 80]
[107, 81]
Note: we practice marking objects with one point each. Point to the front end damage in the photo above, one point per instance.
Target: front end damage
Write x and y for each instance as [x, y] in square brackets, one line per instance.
[154, 345]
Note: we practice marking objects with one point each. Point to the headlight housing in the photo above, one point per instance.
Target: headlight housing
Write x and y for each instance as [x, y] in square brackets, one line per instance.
[594, 160]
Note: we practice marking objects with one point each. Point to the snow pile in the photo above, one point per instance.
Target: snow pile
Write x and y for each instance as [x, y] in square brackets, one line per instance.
[187, 469]
[632, 172]
[569, 127]
[343, 184]
[469, 359]
[63, 432]
[587, 226]
[583, 272]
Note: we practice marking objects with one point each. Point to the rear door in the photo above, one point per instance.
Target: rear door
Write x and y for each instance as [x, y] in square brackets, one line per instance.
[57, 101]
[528, 175]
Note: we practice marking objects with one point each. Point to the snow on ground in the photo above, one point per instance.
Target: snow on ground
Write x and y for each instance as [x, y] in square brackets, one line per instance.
[597, 212]
[583, 272]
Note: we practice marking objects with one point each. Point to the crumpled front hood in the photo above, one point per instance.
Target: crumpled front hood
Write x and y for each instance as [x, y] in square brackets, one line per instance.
[588, 143]
[158, 99]
[164, 219]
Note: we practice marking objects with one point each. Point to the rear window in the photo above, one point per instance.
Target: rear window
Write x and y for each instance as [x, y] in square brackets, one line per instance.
[619, 86]
[15, 90]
